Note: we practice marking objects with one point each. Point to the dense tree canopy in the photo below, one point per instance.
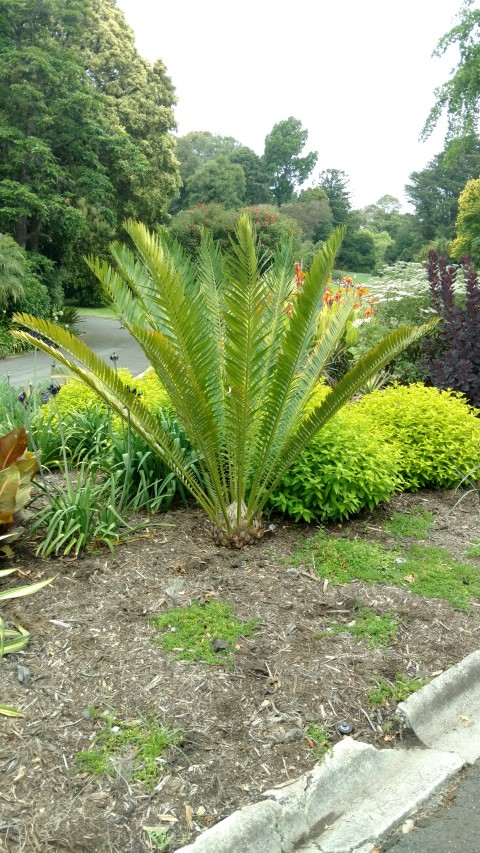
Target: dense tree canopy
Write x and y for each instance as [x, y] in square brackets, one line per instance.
[312, 212]
[272, 176]
[271, 226]
[467, 241]
[217, 180]
[460, 95]
[434, 191]
[193, 151]
[384, 215]
[84, 125]
[257, 185]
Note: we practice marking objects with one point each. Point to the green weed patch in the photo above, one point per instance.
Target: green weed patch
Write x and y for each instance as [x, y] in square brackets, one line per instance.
[318, 739]
[414, 525]
[474, 550]
[202, 632]
[124, 748]
[387, 692]
[367, 625]
[425, 570]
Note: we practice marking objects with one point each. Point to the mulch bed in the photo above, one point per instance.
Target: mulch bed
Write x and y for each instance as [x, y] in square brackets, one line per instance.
[243, 727]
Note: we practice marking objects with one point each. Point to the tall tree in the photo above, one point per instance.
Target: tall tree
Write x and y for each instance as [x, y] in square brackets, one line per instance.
[140, 99]
[312, 212]
[257, 184]
[194, 150]
[459, 96]
[334, 183]
[217, 180]
[384, 215]
[50, 125]
[434, 191]
[84, 125]
[283, 147]
[467, 241]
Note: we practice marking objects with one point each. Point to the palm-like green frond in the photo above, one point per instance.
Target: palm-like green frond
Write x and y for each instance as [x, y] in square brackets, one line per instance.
[245, 355]
[122, 297]
[284, 386]
[185, 319]
[81, 361]
[211, 279]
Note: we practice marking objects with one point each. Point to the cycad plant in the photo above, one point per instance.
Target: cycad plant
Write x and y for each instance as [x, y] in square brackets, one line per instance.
[239, 367]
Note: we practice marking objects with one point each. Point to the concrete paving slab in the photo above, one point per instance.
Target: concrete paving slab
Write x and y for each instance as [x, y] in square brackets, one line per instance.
[102, 335]
[354, 797]
[445, 714]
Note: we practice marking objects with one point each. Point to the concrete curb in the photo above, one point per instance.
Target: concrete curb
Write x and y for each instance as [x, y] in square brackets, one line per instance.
[445, 714]
[359, 795]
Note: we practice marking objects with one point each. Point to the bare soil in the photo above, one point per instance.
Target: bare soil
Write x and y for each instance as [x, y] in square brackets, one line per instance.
[243, 727]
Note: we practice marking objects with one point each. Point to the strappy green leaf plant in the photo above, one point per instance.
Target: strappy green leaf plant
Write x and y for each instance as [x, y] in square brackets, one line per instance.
[239, 368]
[14, 640]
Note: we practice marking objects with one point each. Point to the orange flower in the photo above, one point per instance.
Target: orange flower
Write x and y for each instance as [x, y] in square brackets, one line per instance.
[348, 281]
[299, 275]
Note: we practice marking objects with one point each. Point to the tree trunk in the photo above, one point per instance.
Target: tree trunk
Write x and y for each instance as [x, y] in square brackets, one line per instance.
[21, 232]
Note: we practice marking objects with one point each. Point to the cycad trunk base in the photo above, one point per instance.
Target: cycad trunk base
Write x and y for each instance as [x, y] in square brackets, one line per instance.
[241, 533]
[240, 349]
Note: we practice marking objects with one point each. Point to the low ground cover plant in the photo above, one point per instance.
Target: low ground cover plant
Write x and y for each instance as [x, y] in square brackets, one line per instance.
[386, 693]
[367, 625]
[318, 738]
[414, 525]
[238, 368]
[128, 750]
[205, 632]
[424, 570]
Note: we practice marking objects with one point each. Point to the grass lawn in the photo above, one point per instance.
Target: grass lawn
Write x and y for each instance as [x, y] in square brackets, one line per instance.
[105, 312]
[360, 277]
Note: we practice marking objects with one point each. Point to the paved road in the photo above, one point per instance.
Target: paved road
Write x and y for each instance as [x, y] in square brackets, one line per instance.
[103, 336]
[455, 829]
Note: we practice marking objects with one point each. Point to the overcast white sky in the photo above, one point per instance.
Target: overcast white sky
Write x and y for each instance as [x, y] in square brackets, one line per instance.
[358, 75]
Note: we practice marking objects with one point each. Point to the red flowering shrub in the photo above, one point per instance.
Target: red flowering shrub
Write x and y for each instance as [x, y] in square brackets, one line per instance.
[271, 226]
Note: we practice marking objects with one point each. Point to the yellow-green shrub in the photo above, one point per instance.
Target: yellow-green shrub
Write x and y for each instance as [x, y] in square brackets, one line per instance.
[437, 432]
[75, 396]
[348, 466]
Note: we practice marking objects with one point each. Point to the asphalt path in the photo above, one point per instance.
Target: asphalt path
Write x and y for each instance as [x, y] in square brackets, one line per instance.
[455, 829]
[103, 336]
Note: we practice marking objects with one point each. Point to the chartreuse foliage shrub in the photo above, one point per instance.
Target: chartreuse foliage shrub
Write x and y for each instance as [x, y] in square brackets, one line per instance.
[77, 396]
[437, 432]
[238, 368]
[348, 466]
[400, 438]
